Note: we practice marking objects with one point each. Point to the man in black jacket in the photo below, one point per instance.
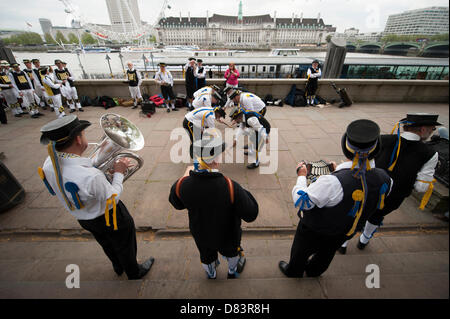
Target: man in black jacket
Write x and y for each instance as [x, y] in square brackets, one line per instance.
[409, 162]
[215, 205]
[333, 207]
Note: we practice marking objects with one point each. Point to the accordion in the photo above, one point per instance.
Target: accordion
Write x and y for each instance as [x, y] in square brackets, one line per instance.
[316, 169]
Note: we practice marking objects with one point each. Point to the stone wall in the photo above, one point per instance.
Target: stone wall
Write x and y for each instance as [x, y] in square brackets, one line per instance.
[360, 90]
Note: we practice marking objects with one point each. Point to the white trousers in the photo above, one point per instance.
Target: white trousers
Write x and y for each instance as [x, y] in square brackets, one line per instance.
[135, 92]
[29, 102]
[11, 100]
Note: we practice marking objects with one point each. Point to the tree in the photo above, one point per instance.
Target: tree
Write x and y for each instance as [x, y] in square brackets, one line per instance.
[49, 39]
[328, 38]
[25, 38]
[60, 37]
[72, 38]
[88, 39]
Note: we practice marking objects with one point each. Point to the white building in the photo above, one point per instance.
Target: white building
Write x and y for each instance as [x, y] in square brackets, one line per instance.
[261, 31]
[427, 21]
[124, 15]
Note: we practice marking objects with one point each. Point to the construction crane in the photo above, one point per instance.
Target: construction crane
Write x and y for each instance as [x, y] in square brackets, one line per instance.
[75, 19]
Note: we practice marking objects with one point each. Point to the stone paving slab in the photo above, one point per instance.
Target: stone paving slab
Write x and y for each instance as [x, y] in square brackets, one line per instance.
[304, 134]
[411, 266]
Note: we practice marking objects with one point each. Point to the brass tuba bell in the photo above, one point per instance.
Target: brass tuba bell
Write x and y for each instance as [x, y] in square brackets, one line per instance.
[120, 135]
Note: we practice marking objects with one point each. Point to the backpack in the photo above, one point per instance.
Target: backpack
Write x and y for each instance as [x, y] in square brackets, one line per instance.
[106, 102]
[86, 101]
[148, 107]
[157, 100]
[299, 100]
[268, 98]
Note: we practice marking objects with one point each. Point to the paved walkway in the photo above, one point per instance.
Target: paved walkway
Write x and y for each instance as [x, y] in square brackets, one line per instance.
[411, 266]
[304, 133]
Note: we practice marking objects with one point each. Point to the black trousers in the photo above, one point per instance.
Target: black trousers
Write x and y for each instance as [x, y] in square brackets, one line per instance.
[119, 245]
[263, 111]
[167, 92]
[390, 205]
[311, 87]
[3, 118]
[194, 132]
[308, 243]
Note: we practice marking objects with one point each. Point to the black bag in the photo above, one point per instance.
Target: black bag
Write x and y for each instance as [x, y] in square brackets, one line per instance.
[320, 100]
[106, 102]
[290, 98]
[299, 100]
[86, 101]
[268, 98]
[148, 107]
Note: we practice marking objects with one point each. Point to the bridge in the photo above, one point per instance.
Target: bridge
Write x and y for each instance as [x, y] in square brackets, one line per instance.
[423, 49]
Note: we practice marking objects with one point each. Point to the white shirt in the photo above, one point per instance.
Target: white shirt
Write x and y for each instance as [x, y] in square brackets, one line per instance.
[326, 191]
[94, 187]
[200, 75]
[251, 102]
[427, 171]
[165, 76]
[205, 114]
[202, 100]
[37, 84]
[204, 90]
[314, 75]
[49, 81]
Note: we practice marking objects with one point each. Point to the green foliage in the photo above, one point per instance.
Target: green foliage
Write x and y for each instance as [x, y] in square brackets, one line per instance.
[73, 38]
[87, 38]
[413, 37]
[328, 38]
[25, 38]
[60, 38]
[49, 39]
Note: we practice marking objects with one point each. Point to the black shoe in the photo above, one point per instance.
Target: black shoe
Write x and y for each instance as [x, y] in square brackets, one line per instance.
[246, 147]
[175, 109]
[168, 110]
[18, 115]
[34, 116]
[118, 270]
[246, 153]
[24, 112]
[145, 267]
[134, 107]
[283, 267]
[81, 110]
[361, 246]
[71, 111]
[233, 276]
[342, 250]
[252, 166]
[40, 114]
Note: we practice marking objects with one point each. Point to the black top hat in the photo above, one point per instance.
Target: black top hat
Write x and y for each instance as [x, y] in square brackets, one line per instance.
[62, 130]
[34, 60]
[216, 95]
[234, 94]
[208, 147]
[161, 64]
[220, 111]
[199, 60]
[421, 119]
[26, 61]
[216, 88]
[63, 62]
[14, 64]
[361, 135]
[315, 61]
[190, 59]
[57, 61]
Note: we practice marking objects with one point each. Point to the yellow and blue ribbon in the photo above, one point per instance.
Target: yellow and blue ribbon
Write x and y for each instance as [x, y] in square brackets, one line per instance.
[396, 150]
[303, 200]
[59, 181]
[109, 201]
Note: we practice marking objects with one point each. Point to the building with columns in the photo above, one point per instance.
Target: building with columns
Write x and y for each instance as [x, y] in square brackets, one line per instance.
[262, 31]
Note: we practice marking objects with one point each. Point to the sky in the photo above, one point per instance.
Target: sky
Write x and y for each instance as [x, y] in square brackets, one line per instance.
[367, 16]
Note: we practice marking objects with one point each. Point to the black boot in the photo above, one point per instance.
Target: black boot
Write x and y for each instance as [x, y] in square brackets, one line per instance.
[144, 268]
[342, 250]
[252, 166]
[360, 245]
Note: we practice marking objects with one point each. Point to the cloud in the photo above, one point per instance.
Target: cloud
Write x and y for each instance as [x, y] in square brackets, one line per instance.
[364, 15]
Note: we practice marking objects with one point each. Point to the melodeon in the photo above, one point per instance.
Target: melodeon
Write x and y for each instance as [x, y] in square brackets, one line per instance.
[316, 169]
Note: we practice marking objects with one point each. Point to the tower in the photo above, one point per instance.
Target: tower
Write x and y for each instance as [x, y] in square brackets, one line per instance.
[240, 12]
